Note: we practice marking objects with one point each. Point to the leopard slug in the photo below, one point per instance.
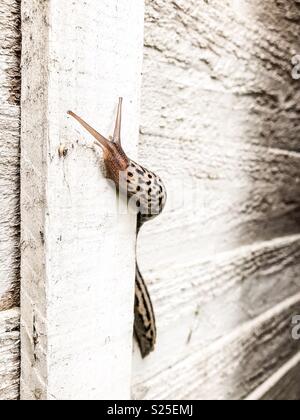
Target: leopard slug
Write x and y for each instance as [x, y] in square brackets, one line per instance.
[148, 193]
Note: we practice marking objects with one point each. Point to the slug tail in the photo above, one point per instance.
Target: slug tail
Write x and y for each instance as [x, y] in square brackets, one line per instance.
[144, 319]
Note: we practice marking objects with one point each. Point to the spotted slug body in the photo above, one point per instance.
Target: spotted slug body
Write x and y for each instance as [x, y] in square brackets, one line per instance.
[148, 189]
[150, 196]
[146, 192]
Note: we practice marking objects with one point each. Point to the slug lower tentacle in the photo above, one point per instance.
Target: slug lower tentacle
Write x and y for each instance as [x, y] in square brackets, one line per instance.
[147, 193]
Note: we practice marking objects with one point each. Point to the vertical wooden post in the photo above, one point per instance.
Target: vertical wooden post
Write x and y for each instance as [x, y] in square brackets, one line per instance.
[77, 252]
[10, 46]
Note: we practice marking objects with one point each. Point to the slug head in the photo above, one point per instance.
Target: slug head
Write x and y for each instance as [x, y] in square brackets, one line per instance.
[115, 158]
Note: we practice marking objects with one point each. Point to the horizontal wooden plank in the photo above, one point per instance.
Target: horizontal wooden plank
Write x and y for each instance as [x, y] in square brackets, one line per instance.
[230, 368]
[197, 304]
[9, 354]
[223, 144]
[220, 116]
[216, 70]
[176, 108]
[200, 301]
[284, 385]
[208, 160]
[252, 279]
[10, 46]
[220, 111]
[220, 215]
[215, 30]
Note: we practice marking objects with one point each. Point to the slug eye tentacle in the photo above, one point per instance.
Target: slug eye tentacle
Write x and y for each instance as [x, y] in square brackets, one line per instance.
[117, 132]
[101, 140]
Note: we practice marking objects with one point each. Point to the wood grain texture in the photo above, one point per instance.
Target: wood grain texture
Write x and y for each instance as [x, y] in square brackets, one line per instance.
[200, 303]
[231, 60]
[10, 45]
[284, 385]
[220, 114]
[78, 251]
[220, 123]
[232, 367]
[9, 354]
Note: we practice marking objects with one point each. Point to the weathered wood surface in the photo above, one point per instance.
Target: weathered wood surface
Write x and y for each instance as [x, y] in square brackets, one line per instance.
[220, 122]
[10, 44]
[201, 303]
[284, 385]
[245, 170]
[78, 252]
[221, 112]
[9, 152]
[9, 354]
[231, 367]
[226, 289]
[232, 62]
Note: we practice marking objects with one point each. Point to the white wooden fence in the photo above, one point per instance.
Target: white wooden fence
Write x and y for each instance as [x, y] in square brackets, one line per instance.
[219, 116]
